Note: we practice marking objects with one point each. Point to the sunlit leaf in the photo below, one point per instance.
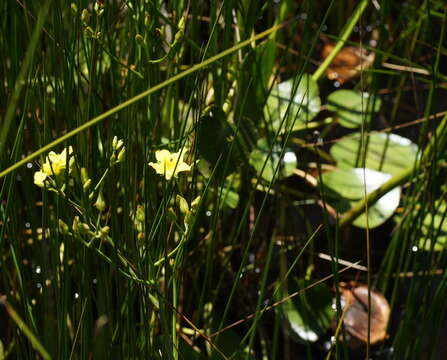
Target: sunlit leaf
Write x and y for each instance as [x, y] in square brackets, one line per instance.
[389, 153]
[260, 155]
[433, 231]
[300, 102]
[351, 107]
[345, 187]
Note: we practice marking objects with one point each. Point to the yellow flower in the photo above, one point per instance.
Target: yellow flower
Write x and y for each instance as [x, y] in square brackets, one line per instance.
[54, 164]
[170, 164]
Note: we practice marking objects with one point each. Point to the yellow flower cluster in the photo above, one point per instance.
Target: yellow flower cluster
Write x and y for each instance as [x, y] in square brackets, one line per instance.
[170, 164]
[54, 164]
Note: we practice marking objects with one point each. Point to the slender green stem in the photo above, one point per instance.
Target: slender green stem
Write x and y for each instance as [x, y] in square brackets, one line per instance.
[21, 78]
[341, 42]
[26, 330]
[138, 97]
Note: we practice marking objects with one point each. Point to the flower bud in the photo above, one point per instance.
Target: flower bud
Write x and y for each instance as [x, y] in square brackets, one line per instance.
[75, 225]
[63, 227]
[139, 39]
[87, 184]
[120, 142]
[99, 8]
[122, 155]
[85, 16]
[139, 216]
[84, 175]
[104, 232]
[147, 19]
[195, 202]
[183, 204]
[84, 228]
[100, 203]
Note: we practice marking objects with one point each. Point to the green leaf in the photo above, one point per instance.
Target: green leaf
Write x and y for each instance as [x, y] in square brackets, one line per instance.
[308, 314]
[350, 107]
[304, 103]
[230, 198]
[265, 61]
[389, 153]
[259, 156]
[344, 187]
[434, 228]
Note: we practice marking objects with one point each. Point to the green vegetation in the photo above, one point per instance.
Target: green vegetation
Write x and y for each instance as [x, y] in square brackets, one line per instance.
[223, 180]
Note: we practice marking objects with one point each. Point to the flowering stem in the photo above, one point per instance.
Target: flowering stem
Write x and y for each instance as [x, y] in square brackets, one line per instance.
[180, 244]
[101, 180]
[138, 97]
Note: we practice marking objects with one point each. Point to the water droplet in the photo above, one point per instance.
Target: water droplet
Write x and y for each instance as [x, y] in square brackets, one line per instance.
[76, 295]
[29, 165]
[38, 269]
[27, 225]
[208, 213]
[414, 248]
[251, 258]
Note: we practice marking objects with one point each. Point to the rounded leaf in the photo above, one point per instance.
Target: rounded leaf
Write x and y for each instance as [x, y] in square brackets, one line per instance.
[344, 187]
[389, 153]
[299, 102]
[261, 155]
[351, 107]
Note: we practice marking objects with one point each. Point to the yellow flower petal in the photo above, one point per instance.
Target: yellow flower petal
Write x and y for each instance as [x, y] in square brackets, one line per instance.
[56, 163]
[162, 155]
[39, 178]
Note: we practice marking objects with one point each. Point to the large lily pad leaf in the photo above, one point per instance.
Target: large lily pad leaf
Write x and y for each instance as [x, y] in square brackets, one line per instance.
[389, 153]
[308, 314]
[344, 187]
[304, 101]
[350, 107]
[260, 155]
